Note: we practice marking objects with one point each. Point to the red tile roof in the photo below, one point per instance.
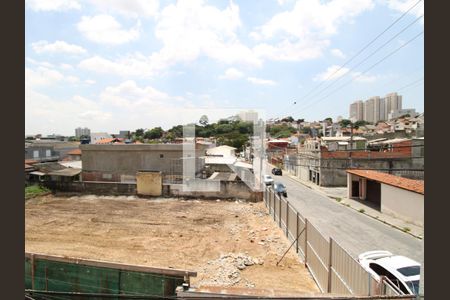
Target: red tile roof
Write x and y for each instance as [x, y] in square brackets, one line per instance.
[28, 166]
[417, 186]
[30, 161]
[74, 152]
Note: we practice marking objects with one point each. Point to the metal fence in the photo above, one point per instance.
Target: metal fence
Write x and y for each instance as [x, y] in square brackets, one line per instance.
[332, 267]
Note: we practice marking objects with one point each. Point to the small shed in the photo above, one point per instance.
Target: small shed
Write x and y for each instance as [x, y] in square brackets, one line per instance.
[394, 195]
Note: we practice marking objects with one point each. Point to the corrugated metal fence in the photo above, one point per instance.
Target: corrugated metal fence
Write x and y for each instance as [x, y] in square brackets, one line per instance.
[333, 268]
[69, 278]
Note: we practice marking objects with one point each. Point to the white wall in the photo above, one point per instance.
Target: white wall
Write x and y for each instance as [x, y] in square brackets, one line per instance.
[402, 204]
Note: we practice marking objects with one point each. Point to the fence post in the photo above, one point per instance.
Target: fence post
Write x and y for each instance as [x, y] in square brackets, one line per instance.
[296, 234]
[287, 219]
[274, 204]
[33, 268]
[279, 215]
[306, 241]
[330, 255]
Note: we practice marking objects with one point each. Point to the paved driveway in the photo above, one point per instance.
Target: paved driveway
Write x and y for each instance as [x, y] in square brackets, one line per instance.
[354, 231]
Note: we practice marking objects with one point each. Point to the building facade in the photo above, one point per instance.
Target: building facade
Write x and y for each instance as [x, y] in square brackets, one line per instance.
[82, 131]
[357, 111]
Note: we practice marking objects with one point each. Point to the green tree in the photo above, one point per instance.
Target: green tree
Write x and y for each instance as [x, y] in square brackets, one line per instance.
[139, 132]
[154, 133]
[345, 122]
[204, 120]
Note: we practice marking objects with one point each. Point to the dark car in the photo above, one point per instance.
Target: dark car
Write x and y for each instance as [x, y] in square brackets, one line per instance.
[277, 171]
[280, 189]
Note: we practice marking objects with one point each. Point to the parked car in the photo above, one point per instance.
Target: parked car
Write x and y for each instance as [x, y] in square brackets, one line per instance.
[402, 272]
[268, 180]
[280, 189]
[277, 171]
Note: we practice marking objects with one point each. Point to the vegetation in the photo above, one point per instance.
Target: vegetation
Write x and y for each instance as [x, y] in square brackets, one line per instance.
[155, 133]
[35, 190]
[345, 122]
[362, 210]
[281, 131]
[406, 229]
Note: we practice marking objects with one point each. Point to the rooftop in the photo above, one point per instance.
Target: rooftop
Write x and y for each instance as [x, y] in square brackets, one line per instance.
[417, 186]
[74, 152]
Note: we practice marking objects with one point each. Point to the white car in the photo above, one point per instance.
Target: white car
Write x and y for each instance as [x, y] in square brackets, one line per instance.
[401, 271]
[268, 180]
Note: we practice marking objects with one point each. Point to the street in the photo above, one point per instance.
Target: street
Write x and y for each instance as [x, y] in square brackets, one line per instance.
[354, 231]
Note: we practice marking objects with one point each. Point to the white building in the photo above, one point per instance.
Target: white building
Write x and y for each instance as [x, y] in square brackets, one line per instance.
[401, 112]
[97, 136]
[82, 131]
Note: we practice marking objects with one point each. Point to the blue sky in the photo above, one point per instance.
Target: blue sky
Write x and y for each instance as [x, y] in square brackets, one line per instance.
[115, 65]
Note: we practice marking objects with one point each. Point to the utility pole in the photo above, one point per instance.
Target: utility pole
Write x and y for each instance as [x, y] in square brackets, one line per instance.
[351, 144]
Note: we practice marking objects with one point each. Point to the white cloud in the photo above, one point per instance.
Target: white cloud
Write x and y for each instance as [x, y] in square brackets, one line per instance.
[288, 51]
[44, 77]
[338, 53]
[129, 8]
[260, 81]
[303, 32]
[132, 65]
[190, 29]
[57, 47]
[66, 66]
[53, 5]
[89, 81]
[331, 73]
[44, 64]
[104, 29]
[335, 72]
[403, 5]
[232, 74]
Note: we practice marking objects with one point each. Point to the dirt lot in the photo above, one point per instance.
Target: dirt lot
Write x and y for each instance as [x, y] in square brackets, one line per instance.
[229, 243]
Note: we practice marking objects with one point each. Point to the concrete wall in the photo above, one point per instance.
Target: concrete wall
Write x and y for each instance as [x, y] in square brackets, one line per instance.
[228, 189]
[96, 188]
[109, 162]
[402, 204]
[149, 183]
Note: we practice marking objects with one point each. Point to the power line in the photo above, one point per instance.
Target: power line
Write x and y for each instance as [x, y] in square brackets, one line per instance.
[367, 57]
[364, 48]
[362, 73]
[411, 84]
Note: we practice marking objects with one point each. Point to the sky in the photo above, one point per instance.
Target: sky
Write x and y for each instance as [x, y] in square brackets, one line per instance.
[113, 65]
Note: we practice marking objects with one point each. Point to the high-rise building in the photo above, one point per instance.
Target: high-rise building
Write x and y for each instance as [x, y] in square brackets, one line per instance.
[357, 111]
[369, 110]
[392, 102]
[82, 131]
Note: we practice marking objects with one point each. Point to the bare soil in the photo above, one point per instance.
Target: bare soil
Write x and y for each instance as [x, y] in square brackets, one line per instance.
[228, 243]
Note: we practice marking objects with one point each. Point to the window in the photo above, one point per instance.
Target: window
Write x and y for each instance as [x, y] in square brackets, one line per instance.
[161, 156]
[48, 153]
[410, 271]
[36, 154]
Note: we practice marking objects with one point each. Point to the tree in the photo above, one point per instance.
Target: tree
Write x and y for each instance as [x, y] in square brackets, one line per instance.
[204, 120]
[345, 122]
[154, 133]
[329, 120]
[300, 121]
[288, 119]
[139, 132]
[358, 124]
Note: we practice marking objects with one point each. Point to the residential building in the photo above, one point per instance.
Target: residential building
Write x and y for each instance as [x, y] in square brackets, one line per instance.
[392, 102]
[97, 136]
[41, 152]
[369, 110]
[397, 113]
[324, 161]
[357, 111]
[121, 162]
[249, 116]
[397, 196]
[79, 132]
[123, 134]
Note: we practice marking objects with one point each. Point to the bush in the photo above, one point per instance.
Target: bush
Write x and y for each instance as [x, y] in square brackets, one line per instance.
[35, 190]
[362, 210]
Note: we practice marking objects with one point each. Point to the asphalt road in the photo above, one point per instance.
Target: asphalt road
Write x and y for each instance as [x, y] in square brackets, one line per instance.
[354, 231]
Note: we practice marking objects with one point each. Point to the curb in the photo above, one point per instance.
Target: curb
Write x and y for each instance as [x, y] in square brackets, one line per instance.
[334, 198]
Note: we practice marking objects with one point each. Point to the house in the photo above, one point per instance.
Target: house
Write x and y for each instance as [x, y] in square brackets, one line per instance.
[343, 143]
[74, 154]
[222, 151]
[121, 162]
[97, 136]
[40, 152]
[394, 195]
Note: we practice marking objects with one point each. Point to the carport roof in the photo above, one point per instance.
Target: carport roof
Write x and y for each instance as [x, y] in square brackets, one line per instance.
[417, 186]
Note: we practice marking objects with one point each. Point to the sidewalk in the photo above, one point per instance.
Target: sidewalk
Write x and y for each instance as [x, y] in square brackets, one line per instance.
[339, 194]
